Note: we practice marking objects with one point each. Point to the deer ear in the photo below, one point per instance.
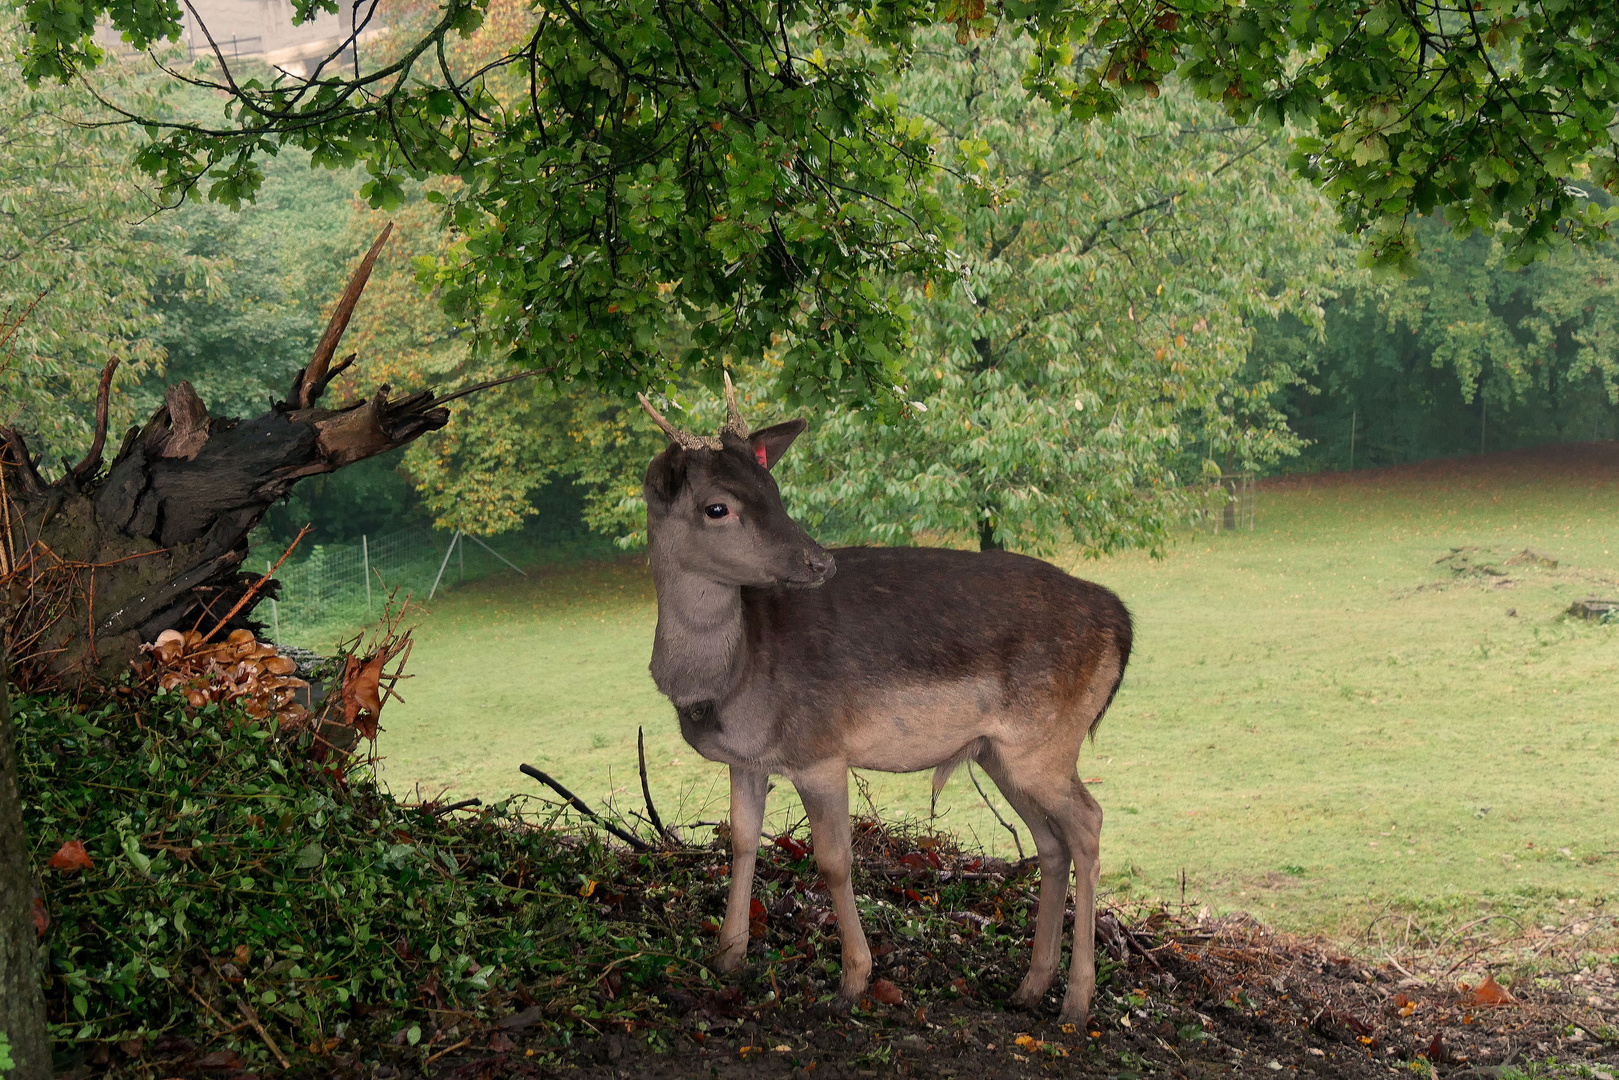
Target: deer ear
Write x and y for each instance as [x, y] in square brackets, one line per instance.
[770, 443]
[665, 476]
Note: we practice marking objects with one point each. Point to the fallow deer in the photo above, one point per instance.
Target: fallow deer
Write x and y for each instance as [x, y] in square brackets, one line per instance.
[783, 658]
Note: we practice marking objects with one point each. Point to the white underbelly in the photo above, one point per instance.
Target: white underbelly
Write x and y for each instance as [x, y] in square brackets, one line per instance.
[913, 728]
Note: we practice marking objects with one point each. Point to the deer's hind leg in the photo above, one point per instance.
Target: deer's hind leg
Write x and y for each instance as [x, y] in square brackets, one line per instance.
[1082, 823]
[1046, 956]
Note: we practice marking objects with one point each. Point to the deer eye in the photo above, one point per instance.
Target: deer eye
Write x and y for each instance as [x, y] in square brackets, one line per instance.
[716, 510]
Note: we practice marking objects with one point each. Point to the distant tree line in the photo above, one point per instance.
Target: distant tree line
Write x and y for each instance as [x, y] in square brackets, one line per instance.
[1469, 355]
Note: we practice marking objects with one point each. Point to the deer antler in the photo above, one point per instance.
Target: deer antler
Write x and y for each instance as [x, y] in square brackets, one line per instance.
[313, 379]
[733, 415]
[684, 439]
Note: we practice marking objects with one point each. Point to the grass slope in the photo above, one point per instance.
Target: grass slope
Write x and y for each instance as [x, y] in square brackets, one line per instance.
[1320, 720]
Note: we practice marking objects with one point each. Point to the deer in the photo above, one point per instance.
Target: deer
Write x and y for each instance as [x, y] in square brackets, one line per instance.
[784, 658]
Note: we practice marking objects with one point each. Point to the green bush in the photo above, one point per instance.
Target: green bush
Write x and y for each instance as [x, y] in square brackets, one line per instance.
[227, 869]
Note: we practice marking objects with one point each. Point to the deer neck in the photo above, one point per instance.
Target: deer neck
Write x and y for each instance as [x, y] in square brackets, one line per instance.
[697, 651]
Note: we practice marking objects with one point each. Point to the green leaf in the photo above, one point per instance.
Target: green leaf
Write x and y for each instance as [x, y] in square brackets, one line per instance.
[133, 853]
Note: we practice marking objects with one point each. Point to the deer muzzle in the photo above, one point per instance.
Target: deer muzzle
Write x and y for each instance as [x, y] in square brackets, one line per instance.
[819, 566]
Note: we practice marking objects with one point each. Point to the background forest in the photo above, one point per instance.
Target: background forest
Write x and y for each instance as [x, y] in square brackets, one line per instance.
[1146, 302]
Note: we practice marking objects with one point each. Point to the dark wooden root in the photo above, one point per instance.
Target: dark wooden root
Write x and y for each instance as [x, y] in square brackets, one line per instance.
[96, 563]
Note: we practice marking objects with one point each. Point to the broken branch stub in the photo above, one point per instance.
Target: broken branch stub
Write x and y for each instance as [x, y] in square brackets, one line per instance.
[312, 381]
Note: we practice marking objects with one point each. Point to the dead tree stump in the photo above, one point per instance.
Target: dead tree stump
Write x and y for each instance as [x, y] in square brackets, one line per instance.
[97, 562]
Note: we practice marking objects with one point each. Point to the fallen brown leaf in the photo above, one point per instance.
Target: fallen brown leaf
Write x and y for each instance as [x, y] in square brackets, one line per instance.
[71, 856]
[361, 696]
[220, 1059]
[1487, 992]
[886, 992]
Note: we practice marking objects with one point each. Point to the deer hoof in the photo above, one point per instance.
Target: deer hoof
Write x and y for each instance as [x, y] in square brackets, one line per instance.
[1074, 1012]
[1029, 994]
[730, 959]
[831, 1009]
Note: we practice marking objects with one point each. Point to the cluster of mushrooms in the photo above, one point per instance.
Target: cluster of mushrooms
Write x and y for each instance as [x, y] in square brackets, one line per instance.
[241, 670]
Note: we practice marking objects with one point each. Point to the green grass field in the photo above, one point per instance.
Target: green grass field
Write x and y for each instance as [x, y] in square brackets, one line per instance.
[1321, 719]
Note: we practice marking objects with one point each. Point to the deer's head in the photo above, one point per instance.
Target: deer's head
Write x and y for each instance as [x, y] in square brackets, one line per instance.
[714, 510]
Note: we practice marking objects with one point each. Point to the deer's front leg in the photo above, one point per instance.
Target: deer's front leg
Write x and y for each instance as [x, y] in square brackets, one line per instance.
[825, 793]
[748, 790]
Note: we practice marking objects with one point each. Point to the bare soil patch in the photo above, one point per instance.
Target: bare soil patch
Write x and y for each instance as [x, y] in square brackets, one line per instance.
[1596, 461]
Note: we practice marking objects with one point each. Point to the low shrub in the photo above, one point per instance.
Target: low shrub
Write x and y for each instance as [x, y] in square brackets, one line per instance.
[231, 877]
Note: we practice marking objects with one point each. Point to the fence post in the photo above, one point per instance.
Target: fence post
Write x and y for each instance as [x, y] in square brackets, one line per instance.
[365, 559]
[454, 539]
[275, 611]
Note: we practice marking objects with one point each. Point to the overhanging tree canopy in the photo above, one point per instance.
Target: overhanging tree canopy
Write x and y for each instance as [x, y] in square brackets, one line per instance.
[744, 162]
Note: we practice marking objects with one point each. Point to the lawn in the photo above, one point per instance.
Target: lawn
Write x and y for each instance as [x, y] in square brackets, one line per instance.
[1326, 717]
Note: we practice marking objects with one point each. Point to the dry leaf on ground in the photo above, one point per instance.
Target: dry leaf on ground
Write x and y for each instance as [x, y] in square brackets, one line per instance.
[1488, 992]
[71, 856]
[886, 992]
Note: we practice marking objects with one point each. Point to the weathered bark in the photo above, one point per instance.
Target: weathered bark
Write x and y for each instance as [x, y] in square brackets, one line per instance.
[98, 563]
[22, 1005]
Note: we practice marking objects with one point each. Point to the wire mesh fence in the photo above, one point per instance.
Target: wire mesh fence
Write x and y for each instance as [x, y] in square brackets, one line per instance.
[338, 586]
[1227, 505]
[336, 582]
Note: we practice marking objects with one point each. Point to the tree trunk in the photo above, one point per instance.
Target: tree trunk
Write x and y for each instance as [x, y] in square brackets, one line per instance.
[986, 535]
[22, 1004]
[97, 563]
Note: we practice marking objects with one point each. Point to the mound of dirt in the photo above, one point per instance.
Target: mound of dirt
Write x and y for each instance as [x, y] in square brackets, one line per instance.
[1180, 995]
[1475, 562]
[1485, 567]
